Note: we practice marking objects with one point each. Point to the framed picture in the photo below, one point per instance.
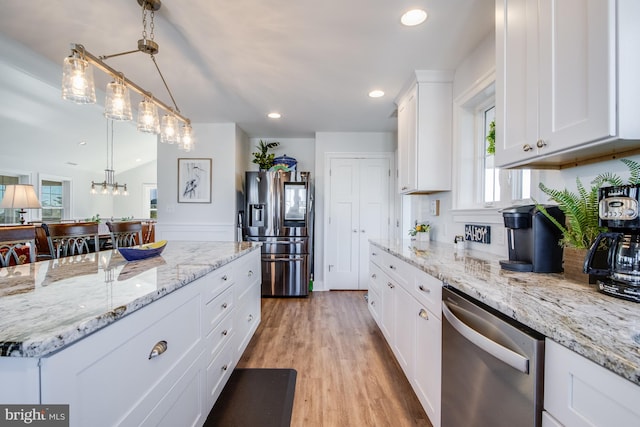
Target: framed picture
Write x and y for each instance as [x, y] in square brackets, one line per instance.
[194, 180]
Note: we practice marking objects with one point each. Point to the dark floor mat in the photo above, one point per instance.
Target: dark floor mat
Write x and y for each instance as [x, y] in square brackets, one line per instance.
[255, 397]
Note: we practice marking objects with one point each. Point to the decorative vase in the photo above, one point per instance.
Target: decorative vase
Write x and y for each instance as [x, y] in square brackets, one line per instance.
[422, 237]
[573, 264]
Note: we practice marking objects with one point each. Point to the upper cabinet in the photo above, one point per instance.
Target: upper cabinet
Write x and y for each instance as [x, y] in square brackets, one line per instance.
[567, 86]
[424, 133]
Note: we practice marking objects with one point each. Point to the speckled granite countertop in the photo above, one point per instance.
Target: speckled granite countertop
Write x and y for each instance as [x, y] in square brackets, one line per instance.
[602, 328]
[47, 305]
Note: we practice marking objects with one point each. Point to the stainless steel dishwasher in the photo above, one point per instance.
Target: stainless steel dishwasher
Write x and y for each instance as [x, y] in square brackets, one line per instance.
[492, 367]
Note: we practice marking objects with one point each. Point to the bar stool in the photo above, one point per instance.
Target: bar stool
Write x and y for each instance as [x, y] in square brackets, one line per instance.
[17, 245]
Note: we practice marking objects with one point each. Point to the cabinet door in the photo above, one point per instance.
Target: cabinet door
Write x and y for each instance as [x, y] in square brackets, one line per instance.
[516, 80]
[405, 340]
[408, 142]
[577, 73]
[428, 363]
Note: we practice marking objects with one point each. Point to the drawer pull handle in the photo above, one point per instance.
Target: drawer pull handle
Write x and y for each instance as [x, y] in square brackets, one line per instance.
[225, 278]
[158, 349]
[250, 317]
[393, 267]
[373, 276]
[225, 305]
[423, 289]
[250, 273]
[373, 303]
[423, 313]
[225, 332]
[541, 143]
[225, 367]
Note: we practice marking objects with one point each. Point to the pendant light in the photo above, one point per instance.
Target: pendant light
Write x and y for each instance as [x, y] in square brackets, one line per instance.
[148, 117]
[109, 172]
[117, 105]
[169, 131]
[77, 81]
[186, 139]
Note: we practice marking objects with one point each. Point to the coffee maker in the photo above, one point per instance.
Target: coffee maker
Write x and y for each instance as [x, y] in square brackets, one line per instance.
[618, 212]
[534, 241]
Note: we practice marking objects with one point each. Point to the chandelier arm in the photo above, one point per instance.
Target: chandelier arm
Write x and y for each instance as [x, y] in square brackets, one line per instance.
[78, 49]
[165, 84]
[103, 57]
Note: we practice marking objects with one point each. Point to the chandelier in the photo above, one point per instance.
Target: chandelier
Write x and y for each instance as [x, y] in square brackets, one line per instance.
[78, 86]
[109, 184]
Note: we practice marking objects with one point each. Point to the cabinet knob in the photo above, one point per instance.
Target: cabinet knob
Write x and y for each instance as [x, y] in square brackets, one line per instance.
[225, 332]
[390, 285]
[373, 303]
[527, 147]
[541, 143]
[225, 305]
[225, 278]
[250, 273]
[362, 231]
[225, 367]
[423, 313]
[404, 188]
[158, 349]
[373, 276]
[423, 289]
[250, 318]
[392, 267]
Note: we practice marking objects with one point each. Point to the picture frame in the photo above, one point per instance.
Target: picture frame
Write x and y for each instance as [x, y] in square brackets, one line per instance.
[194, 180]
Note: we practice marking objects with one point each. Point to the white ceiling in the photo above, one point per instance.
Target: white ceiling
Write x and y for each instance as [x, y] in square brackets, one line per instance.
[227, 61]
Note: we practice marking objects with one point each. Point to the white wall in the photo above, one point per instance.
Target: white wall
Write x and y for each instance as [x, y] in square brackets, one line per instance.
[133, 204]
[339, 142]
[201, 221]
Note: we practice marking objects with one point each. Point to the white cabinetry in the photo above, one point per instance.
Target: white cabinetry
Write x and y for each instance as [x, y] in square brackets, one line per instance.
[424, 133]
[411, 322]
[566, 80]
[163, 365]
[580, 393]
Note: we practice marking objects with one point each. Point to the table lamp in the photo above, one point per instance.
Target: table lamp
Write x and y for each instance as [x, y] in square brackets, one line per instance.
[20, 196]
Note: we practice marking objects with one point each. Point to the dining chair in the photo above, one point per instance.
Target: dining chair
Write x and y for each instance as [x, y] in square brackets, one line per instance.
[125, 233]
[68, 239]
[17, 245]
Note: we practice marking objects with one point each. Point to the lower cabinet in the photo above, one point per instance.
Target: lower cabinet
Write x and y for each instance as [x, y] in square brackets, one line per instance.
[581, 393]
[165, 364]
[409, 303]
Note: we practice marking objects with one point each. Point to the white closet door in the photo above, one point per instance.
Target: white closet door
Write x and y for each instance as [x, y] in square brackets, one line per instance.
[359, 210]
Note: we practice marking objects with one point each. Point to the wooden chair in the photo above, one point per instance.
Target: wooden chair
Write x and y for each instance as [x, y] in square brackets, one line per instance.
[43, 251]
[17, 245]
[125, 233]
[70, 239]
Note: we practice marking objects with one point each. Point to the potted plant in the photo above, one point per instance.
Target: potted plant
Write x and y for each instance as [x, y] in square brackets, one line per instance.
[581, 215]
[262, 157]
[420, 231]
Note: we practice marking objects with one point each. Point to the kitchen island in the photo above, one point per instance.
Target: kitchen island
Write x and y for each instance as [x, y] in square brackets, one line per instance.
[603, 329]
[129, 343]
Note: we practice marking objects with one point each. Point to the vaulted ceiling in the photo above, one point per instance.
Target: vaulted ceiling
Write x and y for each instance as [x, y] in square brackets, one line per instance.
[231, 61]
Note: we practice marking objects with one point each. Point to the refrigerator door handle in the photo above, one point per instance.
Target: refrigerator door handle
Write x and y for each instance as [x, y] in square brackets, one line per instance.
[509, 357]
[291, 259]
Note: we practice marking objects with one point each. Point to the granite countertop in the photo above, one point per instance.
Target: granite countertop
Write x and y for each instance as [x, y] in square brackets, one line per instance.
[47, 305]
[602, 328]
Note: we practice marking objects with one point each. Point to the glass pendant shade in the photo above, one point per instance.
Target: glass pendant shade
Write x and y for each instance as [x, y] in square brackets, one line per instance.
[117, 105]
[77, 81]
[169, 132]
[186, 141]
[148, 117]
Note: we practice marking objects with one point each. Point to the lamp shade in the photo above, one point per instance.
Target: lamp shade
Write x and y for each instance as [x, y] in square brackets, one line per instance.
[186, 140]
[117, 105]
[148, 117]
[77, 81]
[169, 132]
[20, 196]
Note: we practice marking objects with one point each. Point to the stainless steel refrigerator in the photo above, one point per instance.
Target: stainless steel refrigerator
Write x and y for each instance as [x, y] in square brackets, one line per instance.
[279, 213]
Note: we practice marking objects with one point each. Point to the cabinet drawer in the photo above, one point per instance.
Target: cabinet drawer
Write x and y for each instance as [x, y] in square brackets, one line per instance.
[218, 372]
[376, 277]
[395, 268]
[428, 291]
[248, 269]
[116, 365]
[248, 317]
[374, 304]
[217, 308]
[220, 336]
[217, 281]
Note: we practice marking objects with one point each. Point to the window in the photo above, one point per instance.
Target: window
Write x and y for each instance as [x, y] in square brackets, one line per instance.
[150, 200]
[8, 216]
[52, 200]
[479, 183]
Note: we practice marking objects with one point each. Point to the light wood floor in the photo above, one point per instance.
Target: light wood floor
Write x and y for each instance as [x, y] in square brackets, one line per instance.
[347, 375]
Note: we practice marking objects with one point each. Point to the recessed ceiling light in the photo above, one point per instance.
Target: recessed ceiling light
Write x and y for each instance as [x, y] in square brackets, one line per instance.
[138, 160]
[413, 17]
[274, 115]
[82, 143]
[376, 93]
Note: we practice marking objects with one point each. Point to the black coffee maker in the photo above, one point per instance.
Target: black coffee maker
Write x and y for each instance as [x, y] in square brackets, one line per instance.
[618, 211]
[534, 241]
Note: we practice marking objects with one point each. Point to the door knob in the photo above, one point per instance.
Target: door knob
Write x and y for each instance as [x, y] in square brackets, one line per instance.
[362, 231]
[355, 230]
